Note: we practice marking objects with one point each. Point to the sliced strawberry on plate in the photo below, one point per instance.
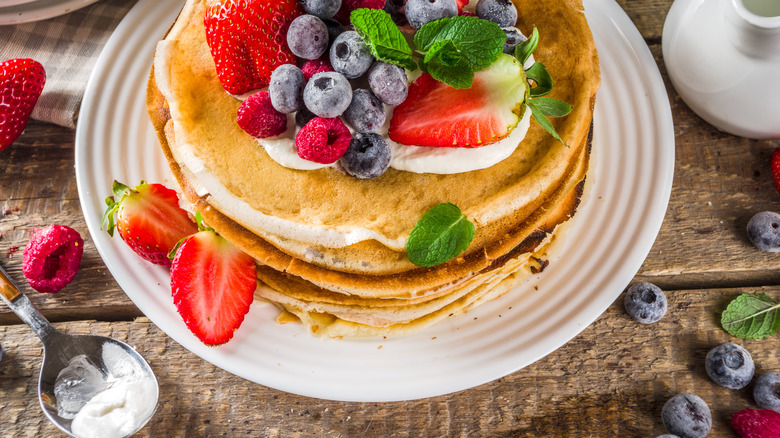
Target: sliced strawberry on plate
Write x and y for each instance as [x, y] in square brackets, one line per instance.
[435, 114]
[248, 40]
[148, 219]
[213, 284]
[21, 84]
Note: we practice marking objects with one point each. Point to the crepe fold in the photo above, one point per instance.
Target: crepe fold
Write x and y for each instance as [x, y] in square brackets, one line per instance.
[329, 247]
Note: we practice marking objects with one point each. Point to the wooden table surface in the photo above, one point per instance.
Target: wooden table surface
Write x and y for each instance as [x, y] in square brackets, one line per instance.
[611, 380]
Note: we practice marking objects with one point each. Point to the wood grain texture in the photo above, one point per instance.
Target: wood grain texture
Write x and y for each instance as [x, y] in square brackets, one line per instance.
[611, 380]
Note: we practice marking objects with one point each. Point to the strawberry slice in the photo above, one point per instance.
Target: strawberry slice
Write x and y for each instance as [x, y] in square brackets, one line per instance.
[149, 220]
[248, 40]
[21, 84]
[213, 284]
[435, 114]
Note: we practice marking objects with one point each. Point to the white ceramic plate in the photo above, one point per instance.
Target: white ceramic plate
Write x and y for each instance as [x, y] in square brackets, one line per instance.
[24, 11]
[610, 238]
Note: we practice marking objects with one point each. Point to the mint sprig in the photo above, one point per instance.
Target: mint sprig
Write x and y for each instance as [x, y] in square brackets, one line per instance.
[450, 49]
[541, 108]
[382, 36]
[751, 316]
[439, 236]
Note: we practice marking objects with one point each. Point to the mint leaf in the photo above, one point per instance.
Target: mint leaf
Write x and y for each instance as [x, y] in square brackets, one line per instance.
[751, 316]
[479, 42]
[552, 107]
[446, 64]
[382, 36]
[440, 235]
[544, 82]
[542, 120]
[524, 50]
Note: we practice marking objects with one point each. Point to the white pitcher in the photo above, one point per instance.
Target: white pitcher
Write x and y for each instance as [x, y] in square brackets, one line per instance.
[723, 57]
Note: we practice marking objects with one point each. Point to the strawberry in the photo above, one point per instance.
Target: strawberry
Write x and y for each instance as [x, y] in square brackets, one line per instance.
[248, 40]
[775, 164]
[213, 284]
[756, 423]
[149, 220]
[435, 114]
[21, 84]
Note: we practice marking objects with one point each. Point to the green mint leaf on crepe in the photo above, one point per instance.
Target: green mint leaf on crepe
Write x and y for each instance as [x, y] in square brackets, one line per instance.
[479, 42]
[544, 82]
[445, 64]
[552, 107]
[382, 36]
[524, 50]
[751, 316]
[542, 120]
[440, 235]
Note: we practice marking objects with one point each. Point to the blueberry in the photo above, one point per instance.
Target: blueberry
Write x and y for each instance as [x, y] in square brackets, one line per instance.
[645, 302]
[327, 94]
[303, 116]
[368, 156]
[334, 29]
[687, 416]
[764, 231]
[394, 8]
[286, 88]
[349, 55]
[501, 12]
[419, 12]
[513, 38]
[321, 8]
[365, 113]
[307, 37]
[388, 82]
[730, 366]
[766, 391]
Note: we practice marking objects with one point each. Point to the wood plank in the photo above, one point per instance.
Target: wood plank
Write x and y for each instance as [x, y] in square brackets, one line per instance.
[611, 380]
[648, 16]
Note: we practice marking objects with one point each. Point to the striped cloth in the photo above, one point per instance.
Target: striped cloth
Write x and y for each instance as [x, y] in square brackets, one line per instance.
[67, 46]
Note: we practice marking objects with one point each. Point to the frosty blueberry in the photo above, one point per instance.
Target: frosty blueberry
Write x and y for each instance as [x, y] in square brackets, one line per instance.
[307, 37]
[513, 38]
[368, 156]
[687, 416]
[763, 230]
[349, 55]
[388, 82]
[321, 8]
[501, 12]
[766, 391]
[327, 94]
[286, 88]
[730, 366]
[645, 302]
[365, 113]
[419, 12]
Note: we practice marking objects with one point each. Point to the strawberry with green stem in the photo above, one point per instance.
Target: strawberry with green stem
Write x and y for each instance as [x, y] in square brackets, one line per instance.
[212, 283]
[148, 218]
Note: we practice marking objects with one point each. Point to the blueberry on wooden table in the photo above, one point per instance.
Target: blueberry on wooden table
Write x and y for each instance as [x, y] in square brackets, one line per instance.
[730, 366]
[766, 391]
[763, 230]
[687, 416]
[645, 302]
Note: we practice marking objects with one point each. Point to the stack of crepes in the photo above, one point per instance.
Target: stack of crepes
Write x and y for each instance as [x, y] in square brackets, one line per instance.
[330, 248]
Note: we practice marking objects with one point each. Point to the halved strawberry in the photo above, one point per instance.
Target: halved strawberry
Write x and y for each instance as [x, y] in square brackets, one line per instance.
[149, 219]
[21, 84]
[213, 284]
[248, 40]
[435, 114]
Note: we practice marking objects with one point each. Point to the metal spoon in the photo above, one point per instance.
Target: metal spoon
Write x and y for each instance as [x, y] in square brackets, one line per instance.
[59, 349]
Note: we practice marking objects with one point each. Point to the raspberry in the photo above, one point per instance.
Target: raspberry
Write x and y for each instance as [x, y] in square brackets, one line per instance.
[756, 423]
[322, 140]
[347, 6]
[52, 257]
[314, 66]
[258, 118]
